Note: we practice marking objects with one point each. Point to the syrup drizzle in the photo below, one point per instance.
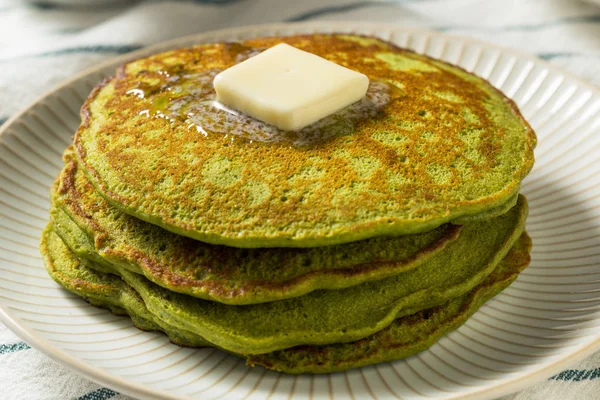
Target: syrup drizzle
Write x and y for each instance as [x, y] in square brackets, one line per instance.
[190, 99]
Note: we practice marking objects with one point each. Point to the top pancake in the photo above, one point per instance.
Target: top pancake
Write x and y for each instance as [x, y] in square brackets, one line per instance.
[431, 143]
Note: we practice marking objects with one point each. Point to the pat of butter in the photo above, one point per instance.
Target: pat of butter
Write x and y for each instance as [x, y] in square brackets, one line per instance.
[289, 88]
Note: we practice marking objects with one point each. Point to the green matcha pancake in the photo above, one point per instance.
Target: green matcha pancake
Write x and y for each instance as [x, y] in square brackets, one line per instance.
[330, 316]
[225, 274]
[402, 338]
[429, 144]
[104, 290]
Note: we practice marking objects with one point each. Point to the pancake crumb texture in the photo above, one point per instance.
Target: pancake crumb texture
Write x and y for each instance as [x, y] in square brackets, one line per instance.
[446, 145]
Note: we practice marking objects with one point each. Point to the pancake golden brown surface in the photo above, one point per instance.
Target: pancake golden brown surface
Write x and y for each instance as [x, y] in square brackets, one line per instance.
[430, 143]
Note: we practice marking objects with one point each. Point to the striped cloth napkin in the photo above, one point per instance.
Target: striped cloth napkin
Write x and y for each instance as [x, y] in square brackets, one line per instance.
[43, 43]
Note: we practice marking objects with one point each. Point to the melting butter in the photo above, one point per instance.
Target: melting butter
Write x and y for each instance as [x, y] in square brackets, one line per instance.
[289, 88]
[190, 98]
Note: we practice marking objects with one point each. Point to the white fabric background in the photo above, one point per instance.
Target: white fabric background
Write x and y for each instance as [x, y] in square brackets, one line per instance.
[42, 44]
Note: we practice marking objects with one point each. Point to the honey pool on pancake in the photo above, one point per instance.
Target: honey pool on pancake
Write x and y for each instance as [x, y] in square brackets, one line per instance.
[191, 98]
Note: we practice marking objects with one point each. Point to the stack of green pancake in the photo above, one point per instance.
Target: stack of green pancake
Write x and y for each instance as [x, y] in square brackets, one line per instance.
[362, 241]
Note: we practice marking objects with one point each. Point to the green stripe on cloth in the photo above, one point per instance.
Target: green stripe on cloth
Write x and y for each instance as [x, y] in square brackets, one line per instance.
[100, 394]
[577, 375]
[551, 56]
[218, 2]
[91, 49]
[11, 348]
[201, 2]
[3, 120]
[581, 19]
[119, 49]
[334, 9]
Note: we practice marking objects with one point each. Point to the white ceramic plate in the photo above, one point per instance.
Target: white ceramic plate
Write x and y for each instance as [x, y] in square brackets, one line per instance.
[546, 320]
